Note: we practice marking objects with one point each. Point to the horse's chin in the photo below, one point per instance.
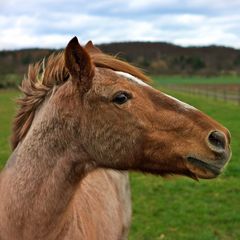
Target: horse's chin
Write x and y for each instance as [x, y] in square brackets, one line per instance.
[191, 166]
[204, 169]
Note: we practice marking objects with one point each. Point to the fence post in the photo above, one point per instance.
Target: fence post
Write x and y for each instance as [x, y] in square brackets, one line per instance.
[215, 93]
[224, 95]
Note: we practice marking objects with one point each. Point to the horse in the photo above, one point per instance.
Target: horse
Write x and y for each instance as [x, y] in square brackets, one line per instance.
[86, 118]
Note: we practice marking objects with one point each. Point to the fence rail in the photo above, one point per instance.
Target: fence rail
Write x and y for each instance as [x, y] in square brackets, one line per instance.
[224, 93]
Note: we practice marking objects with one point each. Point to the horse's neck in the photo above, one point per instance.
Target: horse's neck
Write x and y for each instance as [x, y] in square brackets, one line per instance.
[44, 203]
[40, 179]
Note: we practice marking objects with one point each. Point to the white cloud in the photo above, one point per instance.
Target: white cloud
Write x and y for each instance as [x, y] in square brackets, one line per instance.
[51, 23]
[143, 4]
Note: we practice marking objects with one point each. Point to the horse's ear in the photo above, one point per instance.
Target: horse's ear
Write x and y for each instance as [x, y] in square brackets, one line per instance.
[91, 48]
[79, 64]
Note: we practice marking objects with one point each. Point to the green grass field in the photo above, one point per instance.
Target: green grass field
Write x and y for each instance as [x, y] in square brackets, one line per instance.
[7, 110]
[177, 208]
[11, 80]
[183, 209]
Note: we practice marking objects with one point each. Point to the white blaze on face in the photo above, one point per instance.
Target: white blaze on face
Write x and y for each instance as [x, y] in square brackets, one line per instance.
[185, 105]
[142, 83]
[132, 78]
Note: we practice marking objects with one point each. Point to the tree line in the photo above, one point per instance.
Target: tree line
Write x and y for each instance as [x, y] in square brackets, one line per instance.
[156, 58]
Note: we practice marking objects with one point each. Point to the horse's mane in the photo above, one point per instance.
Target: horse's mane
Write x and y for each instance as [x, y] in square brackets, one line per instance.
[41, 79]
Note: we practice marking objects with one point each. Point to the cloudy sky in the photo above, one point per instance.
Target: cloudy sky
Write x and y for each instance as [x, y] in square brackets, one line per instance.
[51, 23]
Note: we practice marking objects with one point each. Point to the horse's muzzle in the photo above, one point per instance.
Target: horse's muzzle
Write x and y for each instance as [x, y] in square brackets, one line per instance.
[220, 152]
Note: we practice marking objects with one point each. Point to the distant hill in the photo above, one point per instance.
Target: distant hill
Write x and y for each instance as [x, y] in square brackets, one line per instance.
[17, 61]
[165, 58]
[154, 57]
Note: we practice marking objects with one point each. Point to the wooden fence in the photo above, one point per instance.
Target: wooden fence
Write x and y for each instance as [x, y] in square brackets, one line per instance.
[223, 93]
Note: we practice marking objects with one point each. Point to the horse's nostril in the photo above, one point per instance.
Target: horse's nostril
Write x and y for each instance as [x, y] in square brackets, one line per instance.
[217, 139]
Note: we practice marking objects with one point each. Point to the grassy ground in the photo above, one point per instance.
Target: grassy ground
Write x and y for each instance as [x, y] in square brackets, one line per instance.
[178, 208]
[183, 209]
[7, 109]
[10, 80]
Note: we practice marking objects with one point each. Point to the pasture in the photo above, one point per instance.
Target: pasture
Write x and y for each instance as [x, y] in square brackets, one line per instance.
[223, 88]
[175, 208]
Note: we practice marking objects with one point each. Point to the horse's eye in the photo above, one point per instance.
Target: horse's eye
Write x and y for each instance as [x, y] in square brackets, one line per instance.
[121, 98]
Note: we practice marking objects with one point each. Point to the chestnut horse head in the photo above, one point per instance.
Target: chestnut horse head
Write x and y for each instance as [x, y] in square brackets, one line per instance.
[123, 123]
